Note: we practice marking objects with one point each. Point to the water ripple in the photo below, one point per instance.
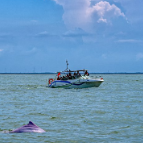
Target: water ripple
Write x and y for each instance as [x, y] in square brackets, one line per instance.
[110, 113]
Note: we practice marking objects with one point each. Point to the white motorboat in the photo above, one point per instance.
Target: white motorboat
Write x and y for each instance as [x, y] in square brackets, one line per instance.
[74, 79]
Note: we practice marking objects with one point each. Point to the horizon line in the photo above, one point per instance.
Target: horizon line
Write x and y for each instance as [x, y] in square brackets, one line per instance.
[56, 72]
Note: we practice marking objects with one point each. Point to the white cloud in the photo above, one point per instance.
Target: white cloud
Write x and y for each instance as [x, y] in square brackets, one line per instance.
[102, 20]
[80, 13]
[105, 11]
[129, 41]
[45, 34]
[77, 32]
[30, 51]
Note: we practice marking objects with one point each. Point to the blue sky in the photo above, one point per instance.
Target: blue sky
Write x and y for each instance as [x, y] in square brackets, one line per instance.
[101, 36]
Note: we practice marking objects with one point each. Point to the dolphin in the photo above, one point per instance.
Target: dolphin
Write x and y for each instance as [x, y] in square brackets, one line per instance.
[30, 127]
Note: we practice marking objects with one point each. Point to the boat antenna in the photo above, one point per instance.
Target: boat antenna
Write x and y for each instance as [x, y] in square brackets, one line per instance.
[67, 65]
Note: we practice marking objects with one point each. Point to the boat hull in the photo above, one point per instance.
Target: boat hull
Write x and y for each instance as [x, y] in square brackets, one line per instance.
[80, 83]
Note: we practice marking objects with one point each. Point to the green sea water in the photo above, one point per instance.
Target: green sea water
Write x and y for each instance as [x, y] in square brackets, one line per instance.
[111, 113]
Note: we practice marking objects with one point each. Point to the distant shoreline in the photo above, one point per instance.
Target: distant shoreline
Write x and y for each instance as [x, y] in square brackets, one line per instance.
[89, 73]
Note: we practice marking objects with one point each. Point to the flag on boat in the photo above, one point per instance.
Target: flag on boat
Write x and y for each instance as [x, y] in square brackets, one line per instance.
[59, 73]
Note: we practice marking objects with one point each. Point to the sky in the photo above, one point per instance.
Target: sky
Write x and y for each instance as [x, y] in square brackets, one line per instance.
[101, 36]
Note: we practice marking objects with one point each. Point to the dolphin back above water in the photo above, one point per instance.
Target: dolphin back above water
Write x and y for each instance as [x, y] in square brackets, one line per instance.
[30, 127]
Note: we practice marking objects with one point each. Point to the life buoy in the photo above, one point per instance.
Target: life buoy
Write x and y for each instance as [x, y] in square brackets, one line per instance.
[50, 80]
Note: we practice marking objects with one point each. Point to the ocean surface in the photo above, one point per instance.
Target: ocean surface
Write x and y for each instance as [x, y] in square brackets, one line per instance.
[111, 113]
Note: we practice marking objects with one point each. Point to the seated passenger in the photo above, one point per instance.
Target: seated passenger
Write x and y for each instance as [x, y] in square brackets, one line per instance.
[58, 78]
[63, 78]
[86, 73]
[67, 75]
[73, 77]
[78, 74]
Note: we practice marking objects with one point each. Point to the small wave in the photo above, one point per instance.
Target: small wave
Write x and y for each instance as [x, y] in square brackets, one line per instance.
[41, 114]
[53, 118]
[125, 127]
[5, 131]
[114, 132]
[100, 112]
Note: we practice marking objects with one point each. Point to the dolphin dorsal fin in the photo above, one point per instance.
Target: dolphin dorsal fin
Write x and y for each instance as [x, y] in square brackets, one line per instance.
[31, 123]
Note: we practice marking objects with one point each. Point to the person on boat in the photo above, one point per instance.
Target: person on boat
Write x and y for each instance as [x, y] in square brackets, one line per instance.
[78, 74]
[67, 76]
[75, 75]
[58, 78]
[86, 73]
[64, 78]
[70, 76]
